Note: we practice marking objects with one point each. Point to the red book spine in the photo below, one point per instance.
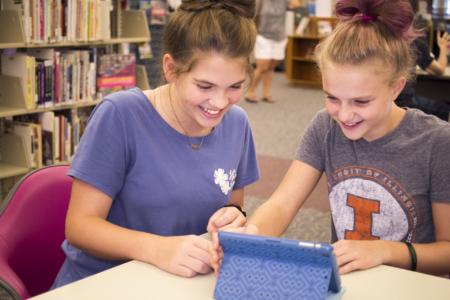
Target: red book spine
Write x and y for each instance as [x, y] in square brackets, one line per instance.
[41, 19]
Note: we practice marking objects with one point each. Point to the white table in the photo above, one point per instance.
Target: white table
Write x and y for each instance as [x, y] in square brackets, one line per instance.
[138, 280]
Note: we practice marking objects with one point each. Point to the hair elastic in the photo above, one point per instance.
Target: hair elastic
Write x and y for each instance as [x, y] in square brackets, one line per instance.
[238, 207]
[368, 18]
[412, 251]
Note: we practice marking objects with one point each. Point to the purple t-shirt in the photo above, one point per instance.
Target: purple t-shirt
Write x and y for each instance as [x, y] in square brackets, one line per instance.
[157, 182]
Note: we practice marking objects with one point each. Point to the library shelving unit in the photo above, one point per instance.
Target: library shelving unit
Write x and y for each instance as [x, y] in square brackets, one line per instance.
[132, 27]
[301, 69]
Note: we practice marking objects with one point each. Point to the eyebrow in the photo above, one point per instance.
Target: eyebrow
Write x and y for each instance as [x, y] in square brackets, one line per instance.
[356, 98]
[207, 82]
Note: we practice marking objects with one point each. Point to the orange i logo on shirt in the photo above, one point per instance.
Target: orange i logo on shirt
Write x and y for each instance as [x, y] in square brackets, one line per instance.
[367, 204]
[364, 208]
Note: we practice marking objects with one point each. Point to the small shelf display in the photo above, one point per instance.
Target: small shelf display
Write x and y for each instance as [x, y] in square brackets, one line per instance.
[301, 69]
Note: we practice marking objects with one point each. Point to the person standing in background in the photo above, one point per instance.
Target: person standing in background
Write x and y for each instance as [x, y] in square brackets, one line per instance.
[270, 44]
[408, 97]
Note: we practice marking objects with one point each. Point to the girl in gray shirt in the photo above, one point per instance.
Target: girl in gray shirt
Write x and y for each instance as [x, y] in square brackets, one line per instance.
[387, 168]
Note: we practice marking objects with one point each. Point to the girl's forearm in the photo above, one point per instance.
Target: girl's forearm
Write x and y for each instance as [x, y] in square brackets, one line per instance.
[105, 240]
[433, 258]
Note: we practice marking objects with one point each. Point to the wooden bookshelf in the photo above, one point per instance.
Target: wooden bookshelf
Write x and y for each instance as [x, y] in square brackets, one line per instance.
[301, 69]
[133, 28]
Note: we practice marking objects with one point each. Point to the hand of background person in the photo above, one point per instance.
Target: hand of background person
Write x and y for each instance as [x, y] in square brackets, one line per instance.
[358, 255]
[443, 41]
[225, 218]
[216, 252]
[185, 256]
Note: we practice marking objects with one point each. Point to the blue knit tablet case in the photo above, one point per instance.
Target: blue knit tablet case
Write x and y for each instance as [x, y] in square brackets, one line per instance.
[271, 270]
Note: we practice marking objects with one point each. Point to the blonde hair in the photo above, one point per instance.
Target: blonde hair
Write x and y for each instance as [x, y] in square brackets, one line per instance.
[372, 30]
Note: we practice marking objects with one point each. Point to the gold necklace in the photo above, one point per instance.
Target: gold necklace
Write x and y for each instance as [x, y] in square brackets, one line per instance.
[192, 145]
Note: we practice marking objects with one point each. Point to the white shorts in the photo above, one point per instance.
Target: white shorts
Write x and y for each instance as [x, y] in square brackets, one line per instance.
[270, 49]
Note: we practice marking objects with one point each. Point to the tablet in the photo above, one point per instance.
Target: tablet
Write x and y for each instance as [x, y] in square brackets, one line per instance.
[258, 267]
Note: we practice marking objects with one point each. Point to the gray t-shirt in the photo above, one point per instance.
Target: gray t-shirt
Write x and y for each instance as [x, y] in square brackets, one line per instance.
[272, 19]
[382, 189]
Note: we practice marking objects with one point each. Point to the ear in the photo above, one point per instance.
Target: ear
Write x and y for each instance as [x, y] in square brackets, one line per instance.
[398, 86]
[169, 67]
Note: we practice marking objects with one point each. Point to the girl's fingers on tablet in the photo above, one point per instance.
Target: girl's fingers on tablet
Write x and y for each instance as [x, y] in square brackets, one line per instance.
[225, 218]
[215, 261]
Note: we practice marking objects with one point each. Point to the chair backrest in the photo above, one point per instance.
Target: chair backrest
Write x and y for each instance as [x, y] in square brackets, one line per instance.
[32, 225]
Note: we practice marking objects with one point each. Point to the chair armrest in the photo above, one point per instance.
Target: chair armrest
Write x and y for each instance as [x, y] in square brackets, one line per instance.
[8, 278]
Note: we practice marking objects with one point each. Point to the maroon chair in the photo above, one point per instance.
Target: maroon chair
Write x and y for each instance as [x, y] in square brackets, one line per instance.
[32, 221]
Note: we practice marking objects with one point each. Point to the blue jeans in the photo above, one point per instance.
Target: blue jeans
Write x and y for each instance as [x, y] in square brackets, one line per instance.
[429, 106]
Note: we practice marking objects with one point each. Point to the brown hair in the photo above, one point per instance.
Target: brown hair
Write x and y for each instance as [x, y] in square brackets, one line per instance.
[201, 27]
[372, 30]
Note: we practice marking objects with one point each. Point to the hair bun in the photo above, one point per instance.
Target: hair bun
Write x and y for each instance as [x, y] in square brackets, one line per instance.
[245, 8]
[397, 15]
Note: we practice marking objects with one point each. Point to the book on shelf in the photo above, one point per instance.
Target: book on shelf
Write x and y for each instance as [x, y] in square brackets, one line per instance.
[104, 28]
[324, 28]
[145, 50]
[36, 144]
[50, 137]
[115, 72]
[56, 143]
[40, 83]
[302, 28]
[289, 23]
[52, 21]
[47, 57]
[47, 121]
[300, 13]
[92, 86]
[158, 12]
[53, 78]
[146, 6]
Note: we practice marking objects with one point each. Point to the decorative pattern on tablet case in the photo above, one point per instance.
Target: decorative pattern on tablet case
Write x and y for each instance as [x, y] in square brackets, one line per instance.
[272, 272]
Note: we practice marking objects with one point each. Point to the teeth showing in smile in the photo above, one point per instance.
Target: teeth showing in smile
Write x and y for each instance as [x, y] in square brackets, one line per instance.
[351, 124]
[209, 111]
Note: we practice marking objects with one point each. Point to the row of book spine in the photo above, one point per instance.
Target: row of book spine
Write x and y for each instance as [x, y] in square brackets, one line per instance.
[53, 21]
[54, 78]
[49, 138]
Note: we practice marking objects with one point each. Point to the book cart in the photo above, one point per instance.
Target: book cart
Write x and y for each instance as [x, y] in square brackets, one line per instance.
[301, 69]
[129, 26]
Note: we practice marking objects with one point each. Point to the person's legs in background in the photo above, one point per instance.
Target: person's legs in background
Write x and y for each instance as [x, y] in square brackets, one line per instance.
[267, 80]
[268, 54]
[277, 55]
[429, 106]
[262, 67]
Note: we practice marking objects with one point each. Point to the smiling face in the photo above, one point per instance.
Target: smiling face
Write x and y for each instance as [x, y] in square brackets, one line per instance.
[361, 100]
[202, 96]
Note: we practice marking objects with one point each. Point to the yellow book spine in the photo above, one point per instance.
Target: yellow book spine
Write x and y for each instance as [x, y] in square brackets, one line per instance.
[28, 82]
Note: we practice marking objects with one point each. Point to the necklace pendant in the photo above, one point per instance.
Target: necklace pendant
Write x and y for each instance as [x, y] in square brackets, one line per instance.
[195, 147]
